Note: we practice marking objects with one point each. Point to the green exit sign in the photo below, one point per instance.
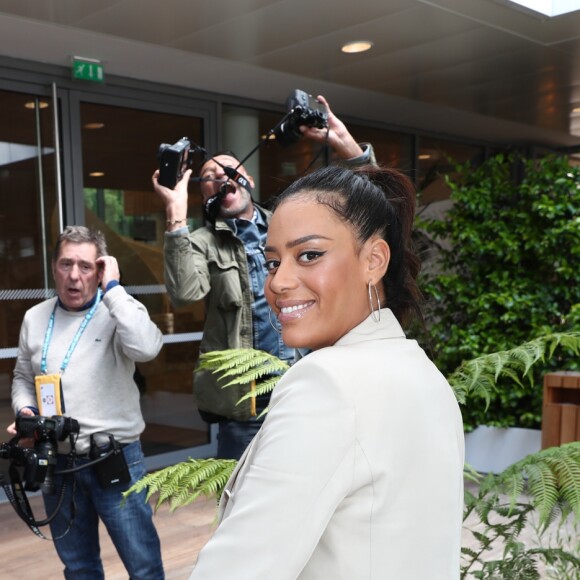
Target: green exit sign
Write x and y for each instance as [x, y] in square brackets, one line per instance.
[88, 70]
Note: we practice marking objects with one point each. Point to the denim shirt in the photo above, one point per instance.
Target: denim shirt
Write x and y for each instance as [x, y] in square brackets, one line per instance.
[253, 235]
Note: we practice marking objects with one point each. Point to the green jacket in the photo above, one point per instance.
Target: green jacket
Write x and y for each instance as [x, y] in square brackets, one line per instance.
[211, 264]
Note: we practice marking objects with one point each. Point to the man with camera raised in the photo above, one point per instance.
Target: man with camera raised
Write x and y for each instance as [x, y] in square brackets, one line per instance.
[224, 264]
[76, 356]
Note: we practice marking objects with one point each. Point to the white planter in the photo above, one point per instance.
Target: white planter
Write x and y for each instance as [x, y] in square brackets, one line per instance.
[491, 449]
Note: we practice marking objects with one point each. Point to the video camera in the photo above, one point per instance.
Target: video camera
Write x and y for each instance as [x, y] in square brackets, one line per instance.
[303, 109]
[38, 462]
[174, 160]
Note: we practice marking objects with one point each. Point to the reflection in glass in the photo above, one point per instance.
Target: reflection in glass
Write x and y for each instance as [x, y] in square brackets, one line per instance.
[119, 148]
[438, 158]
[28, 221]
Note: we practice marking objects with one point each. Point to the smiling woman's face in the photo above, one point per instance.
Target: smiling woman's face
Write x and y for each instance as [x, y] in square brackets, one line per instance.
[317, 274]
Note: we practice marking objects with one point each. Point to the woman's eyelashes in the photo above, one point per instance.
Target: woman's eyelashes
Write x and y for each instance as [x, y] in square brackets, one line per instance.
[304, 257]
[310, 256]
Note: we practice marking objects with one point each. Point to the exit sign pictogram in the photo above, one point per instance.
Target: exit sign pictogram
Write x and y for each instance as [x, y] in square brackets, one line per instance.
[88, 70]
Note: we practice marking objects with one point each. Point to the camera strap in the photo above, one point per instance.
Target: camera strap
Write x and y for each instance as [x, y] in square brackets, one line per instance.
[16, 494]
[212, 206]
[237, 177]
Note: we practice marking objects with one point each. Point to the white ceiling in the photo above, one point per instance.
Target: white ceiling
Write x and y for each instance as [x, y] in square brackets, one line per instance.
[485, 69]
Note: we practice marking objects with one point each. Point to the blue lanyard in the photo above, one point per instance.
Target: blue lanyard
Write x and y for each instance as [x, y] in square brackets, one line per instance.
[75, 340]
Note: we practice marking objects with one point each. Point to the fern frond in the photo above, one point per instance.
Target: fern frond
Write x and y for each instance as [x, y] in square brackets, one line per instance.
[543, 487]
[479, 376]
[183, 482]
[245, 365]
[552, 479]
[513, 486]
[261, 388]
[567, 472]
[471, 474]
[253, 374]
[229, 358]
[151, 482]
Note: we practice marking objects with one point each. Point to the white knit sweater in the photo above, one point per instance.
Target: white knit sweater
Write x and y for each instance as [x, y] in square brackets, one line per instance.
[98, 386]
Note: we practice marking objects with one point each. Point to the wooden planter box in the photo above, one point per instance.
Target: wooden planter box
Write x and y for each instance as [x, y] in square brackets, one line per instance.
[561, 409]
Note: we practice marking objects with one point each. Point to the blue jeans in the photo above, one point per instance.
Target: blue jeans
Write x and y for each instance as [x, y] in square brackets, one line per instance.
[130, 526]
[234, 436]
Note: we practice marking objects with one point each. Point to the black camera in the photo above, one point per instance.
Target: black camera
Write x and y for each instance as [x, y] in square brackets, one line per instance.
[303, 109]
[38, 462]
[174, 160]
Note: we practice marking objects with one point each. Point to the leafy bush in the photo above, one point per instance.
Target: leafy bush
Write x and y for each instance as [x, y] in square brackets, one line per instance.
[507, 271]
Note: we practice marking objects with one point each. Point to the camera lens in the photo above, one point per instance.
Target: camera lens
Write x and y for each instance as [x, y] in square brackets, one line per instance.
[46, 453]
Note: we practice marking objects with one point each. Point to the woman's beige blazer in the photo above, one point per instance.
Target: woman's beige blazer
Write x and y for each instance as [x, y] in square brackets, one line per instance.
[356, 474]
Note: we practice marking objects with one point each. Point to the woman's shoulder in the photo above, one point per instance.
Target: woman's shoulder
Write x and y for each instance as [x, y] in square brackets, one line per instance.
[321, 360]
[330, 368]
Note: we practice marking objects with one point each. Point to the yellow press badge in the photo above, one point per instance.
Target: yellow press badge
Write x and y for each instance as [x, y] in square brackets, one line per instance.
[49, 395]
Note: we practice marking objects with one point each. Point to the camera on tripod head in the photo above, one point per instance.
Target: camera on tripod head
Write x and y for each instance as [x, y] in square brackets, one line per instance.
[38, 462]
[174, 160]
[303, 109]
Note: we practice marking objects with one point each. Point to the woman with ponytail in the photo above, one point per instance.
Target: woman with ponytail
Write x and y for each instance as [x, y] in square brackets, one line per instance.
[357, 471]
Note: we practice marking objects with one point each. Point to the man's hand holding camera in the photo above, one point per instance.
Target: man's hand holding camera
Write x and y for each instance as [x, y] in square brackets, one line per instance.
[336, 135]
[175, 200]
[26, 412]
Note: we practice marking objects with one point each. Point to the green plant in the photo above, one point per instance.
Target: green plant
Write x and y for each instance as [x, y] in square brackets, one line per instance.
[532, 492]
[246, 366]
[479, 377]
[180, 484]
[564, 536]
[507, 255]
[500, 523]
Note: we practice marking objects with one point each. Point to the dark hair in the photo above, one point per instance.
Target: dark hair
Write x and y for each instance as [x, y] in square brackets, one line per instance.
[81, 235]
[227, 152]
[374, 201]
[208, 157]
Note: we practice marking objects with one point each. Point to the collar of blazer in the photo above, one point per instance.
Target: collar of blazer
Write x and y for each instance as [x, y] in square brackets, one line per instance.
[368, 329]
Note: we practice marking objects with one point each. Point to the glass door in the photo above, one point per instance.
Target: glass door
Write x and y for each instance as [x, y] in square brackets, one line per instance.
[119, 147]
[29, 219]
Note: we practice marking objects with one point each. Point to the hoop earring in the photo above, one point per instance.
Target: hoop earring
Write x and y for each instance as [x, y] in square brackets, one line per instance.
[375, 314]
[274, 326]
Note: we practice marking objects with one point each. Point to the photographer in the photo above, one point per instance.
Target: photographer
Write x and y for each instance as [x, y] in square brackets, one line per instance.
[89, 337]
[224, 264]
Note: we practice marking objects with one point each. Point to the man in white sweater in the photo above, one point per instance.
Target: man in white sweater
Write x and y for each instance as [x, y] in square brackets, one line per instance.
[76, 357]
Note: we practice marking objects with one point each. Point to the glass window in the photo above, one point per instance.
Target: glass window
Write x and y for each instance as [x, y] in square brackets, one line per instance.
[249, 134]
[274, 166]
[437, 158]
[119, 152]
[392, 148]
[29, 220]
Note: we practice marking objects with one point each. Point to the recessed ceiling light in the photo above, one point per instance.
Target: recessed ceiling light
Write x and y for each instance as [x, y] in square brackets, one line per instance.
[424, 156]
[357, 46]
[32, 105]
[94, 125]
[97, 174]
